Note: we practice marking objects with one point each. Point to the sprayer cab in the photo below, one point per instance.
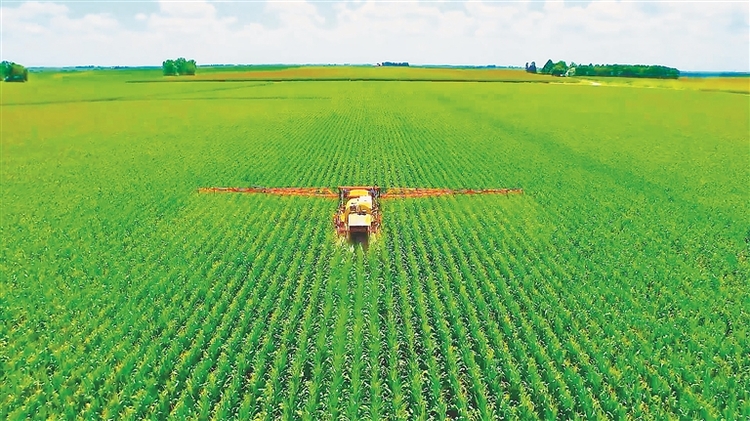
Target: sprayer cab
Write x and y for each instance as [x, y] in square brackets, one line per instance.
[359, 210]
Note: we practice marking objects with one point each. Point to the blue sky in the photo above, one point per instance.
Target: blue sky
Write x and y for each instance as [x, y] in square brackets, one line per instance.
[689, 35]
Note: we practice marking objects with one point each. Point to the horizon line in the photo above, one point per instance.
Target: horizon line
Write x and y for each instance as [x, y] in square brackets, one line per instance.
[747, 72]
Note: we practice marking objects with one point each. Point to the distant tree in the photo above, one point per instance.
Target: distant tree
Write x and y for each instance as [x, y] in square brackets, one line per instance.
[179, 67]
[13, 72]
[189, 68]
[559, 69]
[584, 70]
[180, 64]
[5, 68]
[547, 67]
[531, 68]
[625, 70]
[169, 68]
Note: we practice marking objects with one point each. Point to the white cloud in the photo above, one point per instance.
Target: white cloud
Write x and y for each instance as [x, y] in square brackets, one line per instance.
[685, 35]
[33, 28]
[191, 9]
[51, 19]
[295, 13]
[88, 23]
[196, 17]
[33, 9]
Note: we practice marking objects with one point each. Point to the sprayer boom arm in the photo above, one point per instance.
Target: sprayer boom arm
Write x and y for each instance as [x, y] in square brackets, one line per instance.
[391, 193]
[279, 191]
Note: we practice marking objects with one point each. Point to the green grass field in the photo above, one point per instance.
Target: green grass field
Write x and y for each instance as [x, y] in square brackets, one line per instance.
[616, 287]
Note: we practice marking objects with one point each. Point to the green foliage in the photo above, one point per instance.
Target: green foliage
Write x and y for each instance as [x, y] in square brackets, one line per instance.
[615, 288]
[13, 72]
[169, 68]
[5, 67]
[559, 69]
[189, 68]
[179, 67]
[547, 69]
[611, 70]
[619, 70]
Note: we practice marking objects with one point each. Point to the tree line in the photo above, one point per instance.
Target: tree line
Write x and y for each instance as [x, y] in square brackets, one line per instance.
[13, 72]
[179, 67]
[607, 70]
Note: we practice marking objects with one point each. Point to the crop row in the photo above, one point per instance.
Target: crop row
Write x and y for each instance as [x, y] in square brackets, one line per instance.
[609, 290]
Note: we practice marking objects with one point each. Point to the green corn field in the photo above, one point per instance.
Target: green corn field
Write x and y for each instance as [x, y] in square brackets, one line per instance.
[615, 287]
